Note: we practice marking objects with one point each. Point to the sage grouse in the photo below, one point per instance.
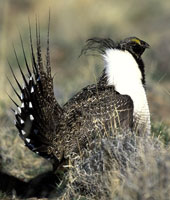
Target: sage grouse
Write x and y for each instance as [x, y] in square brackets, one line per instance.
[118, 100]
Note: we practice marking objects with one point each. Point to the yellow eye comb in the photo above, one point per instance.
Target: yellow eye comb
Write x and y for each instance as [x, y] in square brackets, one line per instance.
[136, 40]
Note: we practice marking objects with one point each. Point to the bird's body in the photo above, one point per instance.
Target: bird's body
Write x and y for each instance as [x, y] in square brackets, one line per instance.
[90, 113]
[118, 100]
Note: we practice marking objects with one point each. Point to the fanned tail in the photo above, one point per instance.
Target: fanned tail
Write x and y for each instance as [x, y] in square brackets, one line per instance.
[37, 117]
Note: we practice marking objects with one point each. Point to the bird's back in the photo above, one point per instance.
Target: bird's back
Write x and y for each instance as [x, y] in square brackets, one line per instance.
[94, 112]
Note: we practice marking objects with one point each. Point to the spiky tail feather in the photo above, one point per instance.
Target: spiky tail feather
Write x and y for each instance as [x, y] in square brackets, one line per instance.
[39, 113]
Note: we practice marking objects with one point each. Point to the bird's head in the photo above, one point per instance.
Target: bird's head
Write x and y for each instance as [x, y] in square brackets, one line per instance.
[134, 45]
[116, 54]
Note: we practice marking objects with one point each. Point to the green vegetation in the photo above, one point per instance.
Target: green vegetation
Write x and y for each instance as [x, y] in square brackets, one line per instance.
[72, 22]
[162, 132]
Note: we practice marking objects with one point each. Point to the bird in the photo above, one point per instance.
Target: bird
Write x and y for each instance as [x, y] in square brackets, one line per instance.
[117, 100]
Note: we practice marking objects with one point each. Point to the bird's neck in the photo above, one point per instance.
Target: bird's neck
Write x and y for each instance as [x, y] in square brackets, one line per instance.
[122, 71]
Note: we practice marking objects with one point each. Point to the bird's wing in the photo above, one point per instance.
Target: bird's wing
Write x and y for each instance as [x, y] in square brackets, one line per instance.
[92, 111]
[39, 113]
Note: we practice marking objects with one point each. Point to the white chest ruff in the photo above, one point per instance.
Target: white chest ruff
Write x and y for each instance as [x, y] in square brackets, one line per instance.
[123, 72]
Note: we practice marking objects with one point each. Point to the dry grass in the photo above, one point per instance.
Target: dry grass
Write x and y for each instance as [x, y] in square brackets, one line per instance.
[125, 167]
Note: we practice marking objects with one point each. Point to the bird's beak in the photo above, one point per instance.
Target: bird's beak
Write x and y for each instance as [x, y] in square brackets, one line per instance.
[146, 45]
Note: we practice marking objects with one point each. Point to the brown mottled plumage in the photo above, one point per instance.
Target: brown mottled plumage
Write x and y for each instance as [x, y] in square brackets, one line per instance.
[57, 133]
[94, 110]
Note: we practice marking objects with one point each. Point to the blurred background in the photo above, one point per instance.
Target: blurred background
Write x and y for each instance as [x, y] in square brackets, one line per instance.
[72, 23]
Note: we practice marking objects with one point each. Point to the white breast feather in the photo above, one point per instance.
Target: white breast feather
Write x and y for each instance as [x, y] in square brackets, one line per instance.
[123, 72]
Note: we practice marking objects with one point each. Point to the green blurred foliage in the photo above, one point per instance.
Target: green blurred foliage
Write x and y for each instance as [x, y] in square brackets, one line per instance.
[161, 131]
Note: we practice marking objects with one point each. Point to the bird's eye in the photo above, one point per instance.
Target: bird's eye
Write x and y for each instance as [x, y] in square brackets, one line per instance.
[137, 49]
